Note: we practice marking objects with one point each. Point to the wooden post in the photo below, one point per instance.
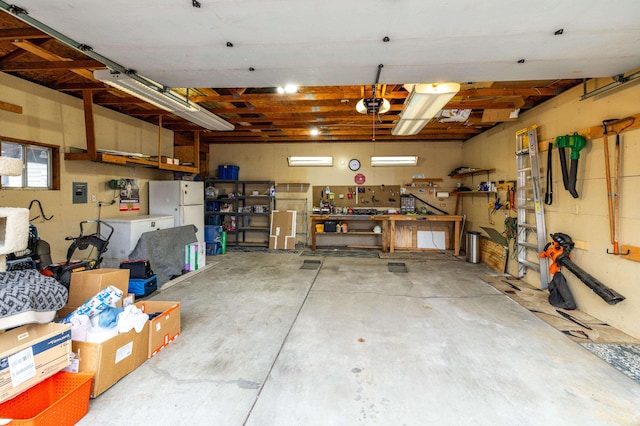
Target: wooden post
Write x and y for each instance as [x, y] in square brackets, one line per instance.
[89, 124]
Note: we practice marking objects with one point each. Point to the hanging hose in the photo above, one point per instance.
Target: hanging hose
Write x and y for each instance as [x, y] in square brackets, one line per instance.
[511, 232]
[44, 216]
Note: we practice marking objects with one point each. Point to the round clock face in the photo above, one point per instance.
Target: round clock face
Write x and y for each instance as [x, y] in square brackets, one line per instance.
[354, 164]
[359, 179]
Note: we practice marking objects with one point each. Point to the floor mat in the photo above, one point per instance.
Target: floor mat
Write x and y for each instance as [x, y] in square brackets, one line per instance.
[329, 252]
[260, 249]
[625, 358]
[310, 264]
[397, 267]
[421, 255]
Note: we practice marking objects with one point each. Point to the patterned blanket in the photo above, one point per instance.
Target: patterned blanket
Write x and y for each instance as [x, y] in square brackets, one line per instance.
[28, 290]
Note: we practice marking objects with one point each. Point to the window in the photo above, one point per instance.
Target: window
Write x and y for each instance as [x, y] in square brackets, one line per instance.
[40, 164]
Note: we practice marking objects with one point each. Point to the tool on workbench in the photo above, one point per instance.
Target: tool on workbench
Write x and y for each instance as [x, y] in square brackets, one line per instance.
[559, 251]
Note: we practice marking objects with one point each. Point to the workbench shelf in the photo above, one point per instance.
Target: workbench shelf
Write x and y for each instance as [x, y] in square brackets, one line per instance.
[472, 173]
[242, 207]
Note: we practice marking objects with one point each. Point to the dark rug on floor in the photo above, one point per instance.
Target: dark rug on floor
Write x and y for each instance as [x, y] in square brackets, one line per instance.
[310, 264]
[329, 252]
[240, 249]
[397, 267]
[421, 255]
[625, 358]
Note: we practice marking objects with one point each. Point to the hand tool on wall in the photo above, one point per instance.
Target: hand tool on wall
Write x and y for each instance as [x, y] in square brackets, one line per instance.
[607, 169]
[559, 251]
[576, 143]
[548, 193]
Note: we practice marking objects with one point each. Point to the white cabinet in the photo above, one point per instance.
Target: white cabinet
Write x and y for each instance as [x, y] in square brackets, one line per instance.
[127, 231]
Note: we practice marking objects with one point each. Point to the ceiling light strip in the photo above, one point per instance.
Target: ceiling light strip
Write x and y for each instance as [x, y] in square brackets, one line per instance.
[165, 99]
[422, 104]
[395, 160]
[313, 161]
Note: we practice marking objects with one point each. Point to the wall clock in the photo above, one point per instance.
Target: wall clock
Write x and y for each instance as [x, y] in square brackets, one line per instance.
[354, 164]
[359, 179]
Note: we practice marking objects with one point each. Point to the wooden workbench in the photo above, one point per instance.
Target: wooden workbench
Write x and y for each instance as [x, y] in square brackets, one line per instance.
[456, 220]
[388, 225]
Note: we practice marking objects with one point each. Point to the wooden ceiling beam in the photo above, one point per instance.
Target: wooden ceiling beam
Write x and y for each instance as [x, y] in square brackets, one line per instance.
[64, 65]
[22, 33]
[338, 94]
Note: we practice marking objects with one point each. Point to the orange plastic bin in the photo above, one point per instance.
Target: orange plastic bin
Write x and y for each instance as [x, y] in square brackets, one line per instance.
[61, 400]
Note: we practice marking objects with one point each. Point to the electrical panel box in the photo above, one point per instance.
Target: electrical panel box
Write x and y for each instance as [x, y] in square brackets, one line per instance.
[79, 195]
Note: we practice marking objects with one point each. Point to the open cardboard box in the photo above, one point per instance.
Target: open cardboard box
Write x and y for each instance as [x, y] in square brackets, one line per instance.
[86, 284]
[163, 328]
[112, 359]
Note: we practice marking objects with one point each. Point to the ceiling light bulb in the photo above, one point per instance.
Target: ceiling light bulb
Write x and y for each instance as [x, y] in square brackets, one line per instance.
[290, 88]
[314, 132]
[280, 89]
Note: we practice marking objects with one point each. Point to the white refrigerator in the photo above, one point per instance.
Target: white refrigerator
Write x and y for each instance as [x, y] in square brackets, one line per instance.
[182, 199]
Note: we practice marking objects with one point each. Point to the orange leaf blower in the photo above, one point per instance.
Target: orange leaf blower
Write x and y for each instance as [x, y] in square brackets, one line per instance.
[559, 251]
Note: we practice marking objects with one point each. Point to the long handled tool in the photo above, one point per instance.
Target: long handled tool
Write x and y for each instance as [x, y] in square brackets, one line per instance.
[616, 197]
[607, 169]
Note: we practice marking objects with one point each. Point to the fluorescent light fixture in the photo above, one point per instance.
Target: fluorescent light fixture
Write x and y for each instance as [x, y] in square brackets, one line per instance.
[310, 161]
[155, 94]
[395, 160]
[422, 104]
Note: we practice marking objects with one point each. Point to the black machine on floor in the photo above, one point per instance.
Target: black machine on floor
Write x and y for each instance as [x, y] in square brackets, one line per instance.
[37, 255]
[85, 252]
[559, 250]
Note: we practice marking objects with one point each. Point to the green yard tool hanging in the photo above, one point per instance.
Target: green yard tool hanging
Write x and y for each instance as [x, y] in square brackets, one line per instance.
[576, 143]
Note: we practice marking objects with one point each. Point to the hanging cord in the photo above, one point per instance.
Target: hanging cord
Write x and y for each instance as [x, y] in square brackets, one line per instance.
[511, 232]
[548, 194]
[44, 216]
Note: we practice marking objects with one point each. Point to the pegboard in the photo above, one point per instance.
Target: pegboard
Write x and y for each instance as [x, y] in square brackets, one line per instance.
[370, 196]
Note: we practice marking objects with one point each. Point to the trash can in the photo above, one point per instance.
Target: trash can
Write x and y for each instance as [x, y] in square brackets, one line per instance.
[473, 247]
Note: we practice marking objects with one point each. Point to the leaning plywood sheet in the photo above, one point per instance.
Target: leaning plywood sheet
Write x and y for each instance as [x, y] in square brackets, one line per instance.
[493, 255]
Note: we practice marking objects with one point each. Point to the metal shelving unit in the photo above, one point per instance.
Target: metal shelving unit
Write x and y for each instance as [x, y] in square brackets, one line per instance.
[243, 210]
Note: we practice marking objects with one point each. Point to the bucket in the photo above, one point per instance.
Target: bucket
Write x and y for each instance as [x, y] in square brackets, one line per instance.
[473, 247]
[319, 227]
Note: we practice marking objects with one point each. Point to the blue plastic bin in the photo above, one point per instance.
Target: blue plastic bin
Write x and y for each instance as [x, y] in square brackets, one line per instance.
[212, 233]
[228, 172]
[214, 249]
[143, 287]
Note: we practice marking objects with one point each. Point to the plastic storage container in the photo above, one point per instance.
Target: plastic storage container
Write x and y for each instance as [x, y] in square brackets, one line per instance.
[228, 172]
[143, 287]
[61, 400]
[473, 247]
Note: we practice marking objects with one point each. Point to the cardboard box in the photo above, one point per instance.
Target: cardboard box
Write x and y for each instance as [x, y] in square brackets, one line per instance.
[31, 353]
[195, 256]
[164, 328]
[113, 359]
[86, 284]
[283, 230]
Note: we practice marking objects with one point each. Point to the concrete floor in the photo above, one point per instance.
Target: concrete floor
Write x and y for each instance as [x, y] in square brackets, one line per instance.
[266, 343]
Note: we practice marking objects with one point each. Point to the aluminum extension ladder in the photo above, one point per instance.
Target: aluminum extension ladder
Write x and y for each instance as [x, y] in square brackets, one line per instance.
[532, 235]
